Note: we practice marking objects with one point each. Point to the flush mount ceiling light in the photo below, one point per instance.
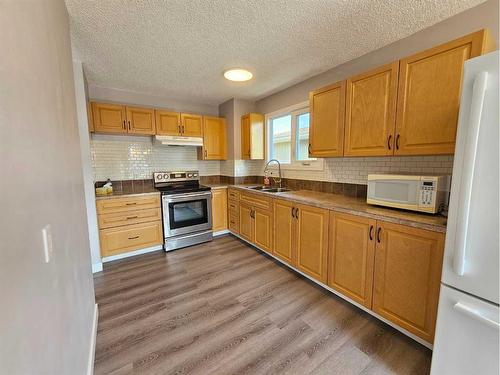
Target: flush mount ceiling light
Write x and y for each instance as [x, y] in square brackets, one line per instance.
[238, 75]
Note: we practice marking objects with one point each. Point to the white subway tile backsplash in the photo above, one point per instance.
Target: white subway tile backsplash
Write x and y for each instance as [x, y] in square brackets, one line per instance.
[125, 158]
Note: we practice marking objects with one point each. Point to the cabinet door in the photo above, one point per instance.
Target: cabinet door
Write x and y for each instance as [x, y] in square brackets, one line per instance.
[214, 138]
[219, 209]
[109, 118]
[371, 112]
[168, 123]
[429, 97]
[312, 241]
[326, 129]
[284, 231]
[263, 221]
[246, 222]
[141, 121]
[408, 264]
[245, 137]
[352, 251]
[191, 125]
[90, 118]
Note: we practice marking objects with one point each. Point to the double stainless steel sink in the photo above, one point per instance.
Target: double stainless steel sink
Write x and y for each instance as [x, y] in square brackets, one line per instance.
[269, 189]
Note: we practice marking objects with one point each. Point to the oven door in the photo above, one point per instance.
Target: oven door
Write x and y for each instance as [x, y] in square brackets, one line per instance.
[187, 213]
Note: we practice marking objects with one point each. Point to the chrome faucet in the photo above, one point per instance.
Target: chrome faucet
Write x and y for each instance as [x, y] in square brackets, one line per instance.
[266, 170]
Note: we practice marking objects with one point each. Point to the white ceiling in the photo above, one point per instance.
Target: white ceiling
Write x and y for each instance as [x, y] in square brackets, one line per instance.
[180, 48]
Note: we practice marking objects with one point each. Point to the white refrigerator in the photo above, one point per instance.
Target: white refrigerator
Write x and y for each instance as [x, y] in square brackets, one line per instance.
[467, 331]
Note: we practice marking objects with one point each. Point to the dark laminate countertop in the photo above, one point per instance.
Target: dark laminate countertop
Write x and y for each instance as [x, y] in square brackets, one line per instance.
[358, 206]
[134, 191]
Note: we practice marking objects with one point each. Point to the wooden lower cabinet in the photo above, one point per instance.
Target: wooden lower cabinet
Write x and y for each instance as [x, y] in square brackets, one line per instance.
[301, 237]
[130, 237]
[246, 222]
[284, 231]
[352, 251]
[408, 264]
[263, 228]
[256, 225]
[312, 241]
[219, 209]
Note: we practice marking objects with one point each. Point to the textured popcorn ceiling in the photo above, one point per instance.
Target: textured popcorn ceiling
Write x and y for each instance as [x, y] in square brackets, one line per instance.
[180, 48]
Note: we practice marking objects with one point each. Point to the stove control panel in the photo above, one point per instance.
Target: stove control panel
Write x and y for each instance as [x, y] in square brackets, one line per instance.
[175, 176]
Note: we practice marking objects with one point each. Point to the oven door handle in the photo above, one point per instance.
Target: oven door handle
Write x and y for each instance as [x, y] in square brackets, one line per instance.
[185, 197]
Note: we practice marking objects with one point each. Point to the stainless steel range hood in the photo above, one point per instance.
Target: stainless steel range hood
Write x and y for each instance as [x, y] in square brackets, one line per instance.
[177, 140]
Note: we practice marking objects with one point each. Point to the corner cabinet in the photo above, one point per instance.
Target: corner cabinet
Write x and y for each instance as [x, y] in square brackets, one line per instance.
[326, 129]
[407, 276]
[214, 139]
[252, 136]
[371, 112]
[429, 96]
[352, 252]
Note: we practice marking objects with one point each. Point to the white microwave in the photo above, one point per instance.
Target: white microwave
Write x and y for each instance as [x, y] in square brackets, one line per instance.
[417, 193]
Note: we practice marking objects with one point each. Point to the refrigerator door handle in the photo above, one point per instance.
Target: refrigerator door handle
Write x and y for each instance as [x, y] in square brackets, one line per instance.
[475, 314]
[476, 109]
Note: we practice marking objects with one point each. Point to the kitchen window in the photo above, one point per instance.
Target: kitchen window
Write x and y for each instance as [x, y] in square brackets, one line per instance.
[288, 138]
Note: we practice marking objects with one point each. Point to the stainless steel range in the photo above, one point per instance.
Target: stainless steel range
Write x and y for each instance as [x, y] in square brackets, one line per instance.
[186, 209]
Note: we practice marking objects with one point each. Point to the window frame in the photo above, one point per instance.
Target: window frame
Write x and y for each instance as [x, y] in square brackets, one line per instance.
[293, 110]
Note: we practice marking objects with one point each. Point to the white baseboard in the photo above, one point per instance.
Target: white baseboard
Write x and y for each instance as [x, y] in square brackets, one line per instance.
[132, 253]
[221, 232]
[96, 267]
[93, 339]
[400, 329]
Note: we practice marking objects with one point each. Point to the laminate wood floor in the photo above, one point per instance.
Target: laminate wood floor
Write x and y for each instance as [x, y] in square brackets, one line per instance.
[225, 307]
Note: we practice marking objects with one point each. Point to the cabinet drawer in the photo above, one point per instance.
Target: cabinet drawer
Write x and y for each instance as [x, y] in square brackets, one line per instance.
[117, 219]
[233, 206]
[131, 237]
[256, 200]
[233, 194]
[106, 206]
[234, 223]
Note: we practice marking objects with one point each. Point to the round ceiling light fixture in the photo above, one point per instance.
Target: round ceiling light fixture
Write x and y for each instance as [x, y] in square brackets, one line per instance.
[238, 75]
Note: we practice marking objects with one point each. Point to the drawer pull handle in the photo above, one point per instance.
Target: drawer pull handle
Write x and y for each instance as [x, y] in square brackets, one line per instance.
[131, 204]
[132, 217]
[133, 238]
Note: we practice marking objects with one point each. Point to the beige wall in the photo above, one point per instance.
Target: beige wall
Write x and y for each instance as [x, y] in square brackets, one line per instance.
[482, 16]
[46, 317]
[128, 97]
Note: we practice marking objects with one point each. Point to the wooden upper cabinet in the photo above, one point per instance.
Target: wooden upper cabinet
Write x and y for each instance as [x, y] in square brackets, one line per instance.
[90, 120]
[191, 125]
[140, 121]
[408, 264]
[351, 258]
[252, 136]
[312, 241]
[371, 112]
[327, 117]
[429, 96]
[168, 123]
[214, 139]
[109, 118]
[284, 231]
[219, 209]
